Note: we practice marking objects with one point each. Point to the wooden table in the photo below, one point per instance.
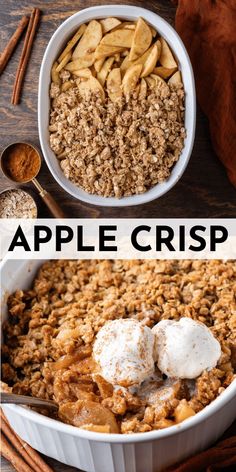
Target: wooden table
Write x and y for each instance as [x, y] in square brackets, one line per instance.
[203, 191]
[57, 466]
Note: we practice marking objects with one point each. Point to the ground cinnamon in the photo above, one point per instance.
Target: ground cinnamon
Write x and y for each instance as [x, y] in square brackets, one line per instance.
[22, 162]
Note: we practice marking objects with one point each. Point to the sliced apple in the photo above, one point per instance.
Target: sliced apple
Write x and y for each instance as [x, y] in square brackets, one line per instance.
[153, 31]
[89, 86]
[141, 40]
[126, 24]
[63, 63]
[143, 89]
[54, 74]
[151, 82]
[98, 64]
[117, 57]
[72, 42]
[89, 41]
[141, 60]
[166, 58]
[131, 78]
[93, 71]
[85, 73]
[109, 23]
[66, 86]
[102, 75]
[103, 51]
[126, 63]
[158, 80]
[176, 79]
[121, 38]
[164, 72]
[81, 63]
[151, 60]
[114, 84]
[130, 26]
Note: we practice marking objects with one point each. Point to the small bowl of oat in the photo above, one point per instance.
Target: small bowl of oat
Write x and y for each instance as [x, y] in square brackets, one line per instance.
[17, 203]
[117, 106]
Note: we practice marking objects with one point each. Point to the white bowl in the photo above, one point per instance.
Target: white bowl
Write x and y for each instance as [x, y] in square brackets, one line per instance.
[97, 452]
[55, 45]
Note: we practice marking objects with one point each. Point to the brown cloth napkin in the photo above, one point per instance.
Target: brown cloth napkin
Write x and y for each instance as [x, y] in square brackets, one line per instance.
[208, 30]
[221, 457]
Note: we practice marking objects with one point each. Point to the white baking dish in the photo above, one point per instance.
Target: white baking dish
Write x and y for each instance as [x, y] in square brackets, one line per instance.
[58, 40]
[97, 452]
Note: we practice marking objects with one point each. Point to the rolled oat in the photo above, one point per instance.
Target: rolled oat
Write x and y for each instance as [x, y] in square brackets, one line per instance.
[116, 149]
[17, 203]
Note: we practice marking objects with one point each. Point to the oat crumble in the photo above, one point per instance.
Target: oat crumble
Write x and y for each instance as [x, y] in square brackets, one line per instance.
[51, 330]
[117, 149]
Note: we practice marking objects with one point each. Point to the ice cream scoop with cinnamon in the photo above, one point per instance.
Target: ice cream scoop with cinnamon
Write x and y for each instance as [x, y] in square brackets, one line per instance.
[185, 348]
[124, 352]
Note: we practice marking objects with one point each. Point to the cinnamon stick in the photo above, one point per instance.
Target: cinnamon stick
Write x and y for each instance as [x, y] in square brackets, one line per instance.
[11, 455]
[43, 467]
[14, 441]
[25, 450]
[6, 54]
[25, 55]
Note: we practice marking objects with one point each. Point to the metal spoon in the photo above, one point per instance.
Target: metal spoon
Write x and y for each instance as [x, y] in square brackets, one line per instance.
[25, 400]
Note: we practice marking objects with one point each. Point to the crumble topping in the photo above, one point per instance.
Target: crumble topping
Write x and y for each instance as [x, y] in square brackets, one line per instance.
[121, 148]
[51, 329]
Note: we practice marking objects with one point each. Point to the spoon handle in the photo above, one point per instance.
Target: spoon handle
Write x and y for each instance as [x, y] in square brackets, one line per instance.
[52, 205]
[25, 400]
[49, 200]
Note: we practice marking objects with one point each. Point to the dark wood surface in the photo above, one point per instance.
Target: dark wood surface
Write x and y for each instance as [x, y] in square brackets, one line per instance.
[203, 191]
[57, 466]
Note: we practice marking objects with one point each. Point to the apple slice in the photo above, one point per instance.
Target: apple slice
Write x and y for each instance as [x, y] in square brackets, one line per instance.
[109, 23]
[131, 78]
[151, 60]
[89, 41]
[114, 84]
[176, 79]
[166, 58]
[141, 40]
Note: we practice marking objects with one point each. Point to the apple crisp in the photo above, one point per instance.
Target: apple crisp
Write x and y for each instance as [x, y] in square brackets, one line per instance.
[117, 108]
[51, 329]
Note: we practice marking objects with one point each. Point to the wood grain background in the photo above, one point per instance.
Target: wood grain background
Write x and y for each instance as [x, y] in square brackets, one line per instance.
[203, 191]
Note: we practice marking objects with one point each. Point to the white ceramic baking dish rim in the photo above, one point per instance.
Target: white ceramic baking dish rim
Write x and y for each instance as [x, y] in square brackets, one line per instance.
[208, 411]
[178, 170]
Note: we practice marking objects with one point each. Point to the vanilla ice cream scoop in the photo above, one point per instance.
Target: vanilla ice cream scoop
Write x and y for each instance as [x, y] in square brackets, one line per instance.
[184, 348]
[123, 350]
